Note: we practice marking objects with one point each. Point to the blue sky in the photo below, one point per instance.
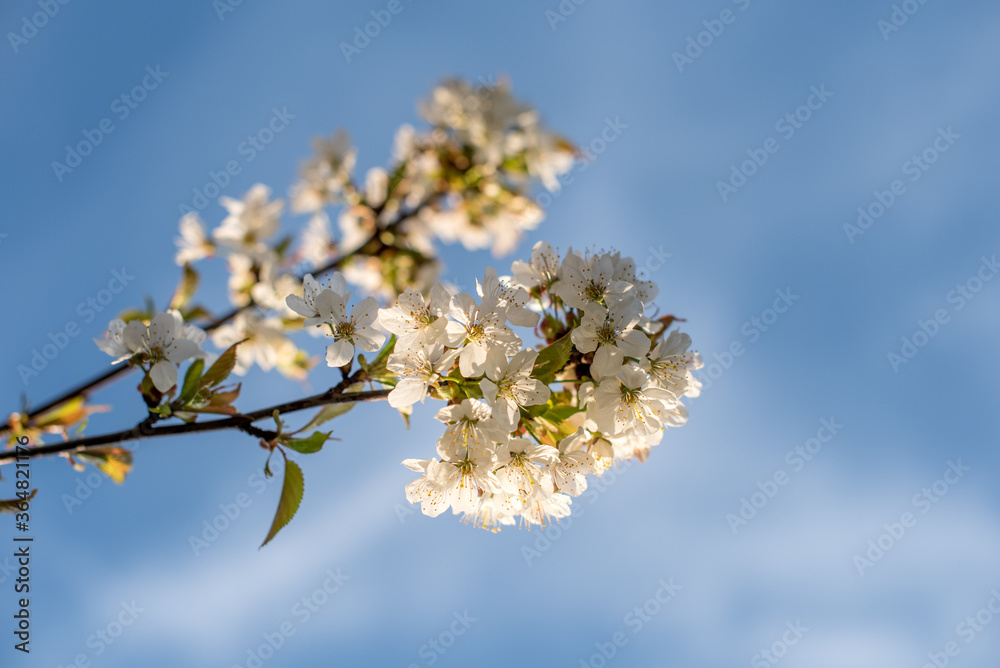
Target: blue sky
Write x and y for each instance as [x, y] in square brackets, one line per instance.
[411, 579]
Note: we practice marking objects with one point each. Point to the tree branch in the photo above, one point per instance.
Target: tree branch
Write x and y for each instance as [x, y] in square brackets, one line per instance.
[374, 246]
[243, 422]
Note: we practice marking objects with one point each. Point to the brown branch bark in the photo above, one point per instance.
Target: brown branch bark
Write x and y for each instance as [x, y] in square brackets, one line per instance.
[243, 422]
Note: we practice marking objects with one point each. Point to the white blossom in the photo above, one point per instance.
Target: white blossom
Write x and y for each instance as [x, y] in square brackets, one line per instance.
[508, 385]
[543, 270]
[193, 243]
[251, 222]
[511, 298]
[470, 427]
[523, 466]
[625, 274]
[591, 280]
[611, 332]
[314, 298]
[479, 327]
[630, 400]
[670, 364]
[455, 483]
[417, 368]
[349, 332]
[272, 289]
[574, 465]
[325, 176]
[542, 508]
[415, 320]
[164, 344]
[317, 245]
[264, 344]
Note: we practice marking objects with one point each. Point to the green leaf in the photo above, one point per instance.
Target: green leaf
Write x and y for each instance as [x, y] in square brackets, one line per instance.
[535, 411]
[326, 414]
[291, 496]
[185, 289]
[131, 314]
[383, 355]
[223, 366]
[115, 463]
[561, 412]
[472, 390]
[376, 369]
[447, 391]
[224, 397]
[283, 245]
[13, 505]
[195, 312]
[308, 445]
[163, 410]
[191, 380]
[552, 359]
[395, 179]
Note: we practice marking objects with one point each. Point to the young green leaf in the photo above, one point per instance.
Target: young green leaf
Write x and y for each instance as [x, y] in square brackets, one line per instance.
[185, 289]
[472, 390]
[113, 462]
[191, 380]
[223, 366]
[552, 358]
[306, 446]
[326, 414]
[291, 497]
[561, 413]
[378, 364]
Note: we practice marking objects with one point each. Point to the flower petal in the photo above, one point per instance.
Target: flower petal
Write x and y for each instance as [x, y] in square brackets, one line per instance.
[339, 353]
[407, 392]
[607, 361]
[134, 335]
[164, 375]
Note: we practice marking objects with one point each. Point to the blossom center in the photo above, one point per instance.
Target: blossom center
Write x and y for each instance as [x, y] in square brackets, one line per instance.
[607, 333]
[476, 332]
[594, 292]
[344, 330]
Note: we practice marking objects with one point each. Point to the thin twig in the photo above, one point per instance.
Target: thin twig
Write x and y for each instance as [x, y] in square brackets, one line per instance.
[243, 422]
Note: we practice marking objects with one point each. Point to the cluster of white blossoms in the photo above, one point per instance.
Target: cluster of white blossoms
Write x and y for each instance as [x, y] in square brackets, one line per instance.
[526, 427]
[261, 273]
[467, 178]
